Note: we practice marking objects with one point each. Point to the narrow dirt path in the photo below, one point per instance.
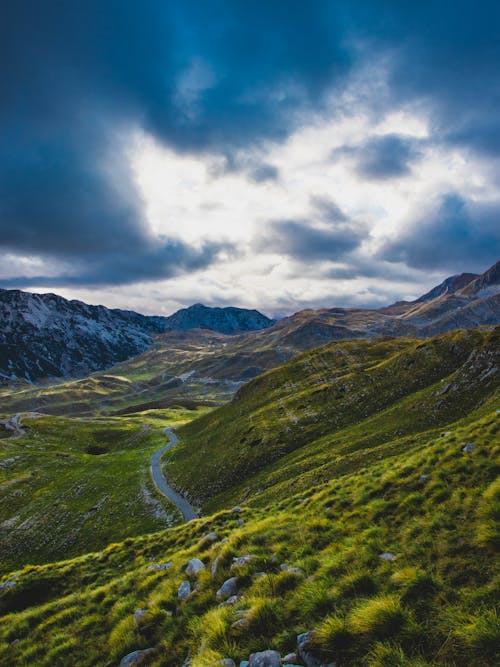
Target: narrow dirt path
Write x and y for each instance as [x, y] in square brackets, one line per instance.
[188, 512]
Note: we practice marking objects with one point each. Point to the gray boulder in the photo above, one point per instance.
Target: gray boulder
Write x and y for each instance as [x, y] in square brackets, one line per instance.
[228, 588]
[194, 566]
[184, 590]
[306, 655]
[137, 657]
[265, 659]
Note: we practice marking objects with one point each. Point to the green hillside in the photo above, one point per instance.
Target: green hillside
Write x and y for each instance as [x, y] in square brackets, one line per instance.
[366, 520]
[332, 405]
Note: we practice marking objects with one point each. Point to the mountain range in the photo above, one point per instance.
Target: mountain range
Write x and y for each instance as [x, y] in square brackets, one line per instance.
[44, 335]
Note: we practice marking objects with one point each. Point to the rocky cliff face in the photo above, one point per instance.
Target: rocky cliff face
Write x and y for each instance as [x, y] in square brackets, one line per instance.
[45, 335]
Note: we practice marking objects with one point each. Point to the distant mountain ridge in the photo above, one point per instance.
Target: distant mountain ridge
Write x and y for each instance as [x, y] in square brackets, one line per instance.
[45, 335]
[48, 336]
[228, 320]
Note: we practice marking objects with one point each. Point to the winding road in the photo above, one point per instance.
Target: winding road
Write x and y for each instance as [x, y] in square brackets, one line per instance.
[188, 512]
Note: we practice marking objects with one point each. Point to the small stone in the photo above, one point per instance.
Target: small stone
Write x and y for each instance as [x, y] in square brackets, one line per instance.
[242, 560]
[228, 588]
[424, 479]
[215, 565]
[241, 623]
[469, 447]
[296, 570]
[244, 663]
[240, 522]
[236, 509]
[265, 659]
[232, 600]
[194, 566]
[291, 657]
[227, 662]
[258, 575]
[387, 556]
[137, 657]
[210, 537]
[184, 590]
[139, 614]
[160, 566]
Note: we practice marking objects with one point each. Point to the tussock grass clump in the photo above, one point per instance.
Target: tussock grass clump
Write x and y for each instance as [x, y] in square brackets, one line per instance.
[332, 637]
[481, 634]
[378, 617]
[488, 530]
[386, 654]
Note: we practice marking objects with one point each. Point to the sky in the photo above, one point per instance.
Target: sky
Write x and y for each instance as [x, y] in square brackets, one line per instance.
[270, 154]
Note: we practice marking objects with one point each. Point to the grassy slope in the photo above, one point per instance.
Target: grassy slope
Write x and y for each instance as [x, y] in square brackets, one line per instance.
[72, 485]
[349, 489]
[330, 406]
[434, 604]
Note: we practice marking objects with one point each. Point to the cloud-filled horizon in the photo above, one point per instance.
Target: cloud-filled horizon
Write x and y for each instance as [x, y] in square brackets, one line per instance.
[268, 155]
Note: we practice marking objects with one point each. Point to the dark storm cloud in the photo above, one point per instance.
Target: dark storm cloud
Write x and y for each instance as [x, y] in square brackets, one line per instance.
[163, 261]
[327, 235]
[383, 157]
[458, 233]
[216, 78]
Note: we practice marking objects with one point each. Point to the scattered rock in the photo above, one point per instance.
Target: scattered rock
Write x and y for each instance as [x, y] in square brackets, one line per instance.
[215, 565]
[242, 560]
[469, 447]
[194, 566]
[184, 590]
[265, 659]
[228, 588]
[258, 575]
[387, 556]
[240, 623]
[424, 478]
[232, 600]
[306, 655]
[210, 537]
[137, 657]
[240, 522]
[227, 662]
[139, 614]
[291, 657]
[236, 509]
[286, 568]
[160, 566]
